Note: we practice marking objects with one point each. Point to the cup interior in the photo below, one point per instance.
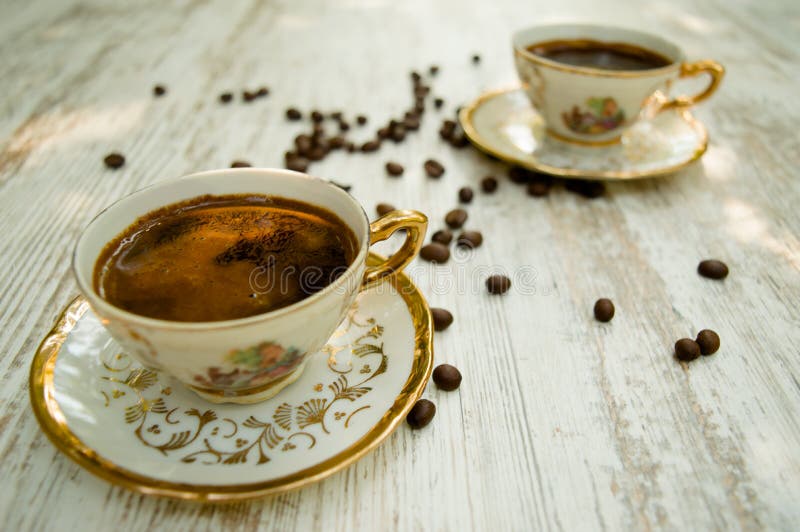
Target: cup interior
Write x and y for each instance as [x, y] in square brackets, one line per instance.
[119, 216]
[524, 38]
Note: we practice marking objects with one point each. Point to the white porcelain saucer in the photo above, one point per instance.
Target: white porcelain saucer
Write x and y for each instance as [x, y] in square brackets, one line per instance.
[503, 123]
[143, 430]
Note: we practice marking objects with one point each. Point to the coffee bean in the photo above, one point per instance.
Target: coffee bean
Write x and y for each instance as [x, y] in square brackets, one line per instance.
[447, 129]
[686, 349]
[498, 284]
[350, 147]
[435, 252]
[370, 146]
[433, 168]
[344, 125]
[587, 189]
[298, 164]
[317, 153]
[419, 107]
[318, 131]
[361, 120]
[708, 341]
[713, 269]
[114, 160]
[304, 143]
[538, 189]
[336, 115]
[455, 218]
[225, 97]
[459, 138]
[470, 239]
[421, 414]
[603, 310]
[441, 318]
[159, 90]
[262, 91]
[489, 184]
[420, 91]
[438, 103]
[240, 164]
[384, 208]
[442, 236]
[336, 142]
[465, 194]
[447, 377]
[411, 123]
[394, 169]
[433, 70]
[398, 133]
[248, 96]
[476, 59]
[518, 174]
[383, 133]
[317, 117]
[293, 114]
[415, 77]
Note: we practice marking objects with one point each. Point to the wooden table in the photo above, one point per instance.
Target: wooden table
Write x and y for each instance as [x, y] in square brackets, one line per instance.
[561, 422]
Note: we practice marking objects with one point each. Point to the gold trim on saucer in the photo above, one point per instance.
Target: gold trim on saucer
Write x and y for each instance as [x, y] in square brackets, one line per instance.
[54, 424]
[584, 142]
[465, 116]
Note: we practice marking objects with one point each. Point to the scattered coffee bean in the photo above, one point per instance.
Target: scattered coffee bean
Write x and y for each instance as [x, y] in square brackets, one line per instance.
[489, 184]
[438, 103]
[370, 146]
[394, 169]
[713, 269]
[336, 115]
[226, 97]
[293, 114]
[433, 70]
[317, 153]
[298, 164]
[415, 77]
[455, 218]
[346, 188]
[435, 252]
[476, 59]
[240, 164]
[447, 129]
[498, 284]
[465, 194]
[336, 142]
[538, 189]
[398, 133]
[447, 377]
[686, 349]
[344, 125]
[318, 131]
[603, 310]
[708, 341]
[411, 123]
[433, 168]
[361, 120]
[442, 319]
[442, 236]
[421, 414]
[459, 138]
[114, 160]
[517, 174]
[470, 239]
[317, 117]
[304, 143]
[262, 91]
[248, 96]
[159, 90]
[383, 133]
[350, 147]
[384, 208]
[587, 189]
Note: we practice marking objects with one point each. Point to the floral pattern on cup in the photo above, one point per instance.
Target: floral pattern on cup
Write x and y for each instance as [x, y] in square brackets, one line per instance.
[601, 116]
[252, 366]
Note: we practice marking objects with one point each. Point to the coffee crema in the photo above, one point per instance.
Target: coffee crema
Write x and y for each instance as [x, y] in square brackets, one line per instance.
[214, 258]
[599, 54]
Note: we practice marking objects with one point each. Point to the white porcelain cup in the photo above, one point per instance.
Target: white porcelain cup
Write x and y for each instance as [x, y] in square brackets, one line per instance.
[594, 106]
[249, 359]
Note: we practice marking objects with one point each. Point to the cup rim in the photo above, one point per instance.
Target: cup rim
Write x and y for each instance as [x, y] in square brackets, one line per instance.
[96, 300]
[521, 49]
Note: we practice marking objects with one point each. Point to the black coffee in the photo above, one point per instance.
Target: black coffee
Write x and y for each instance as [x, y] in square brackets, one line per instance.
[599, 54]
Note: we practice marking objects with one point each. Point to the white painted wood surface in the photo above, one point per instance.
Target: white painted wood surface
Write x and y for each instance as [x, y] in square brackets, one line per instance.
[561, 423]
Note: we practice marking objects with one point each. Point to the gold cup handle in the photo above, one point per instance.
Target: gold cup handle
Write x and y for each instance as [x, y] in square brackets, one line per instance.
[414, 223]
[708, 66]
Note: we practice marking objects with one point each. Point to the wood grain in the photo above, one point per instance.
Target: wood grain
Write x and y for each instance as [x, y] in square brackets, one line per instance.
[561, 423]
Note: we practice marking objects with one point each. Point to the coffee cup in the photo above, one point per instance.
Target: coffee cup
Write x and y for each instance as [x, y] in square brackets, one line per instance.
[194, 352]
[584, 97]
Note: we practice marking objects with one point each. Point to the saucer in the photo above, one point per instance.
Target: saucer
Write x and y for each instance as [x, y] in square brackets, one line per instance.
[503, 124]
[143, 430]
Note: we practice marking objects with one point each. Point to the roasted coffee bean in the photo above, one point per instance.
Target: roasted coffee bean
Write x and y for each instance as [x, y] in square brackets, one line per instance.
[293, 114]
[438, 103]
[433, 70]
[318, 131]
[476, 59]
[248, 96]
[538, 188]
[447, 129]
[394, 169]
[336, 115]
[587, 189]
[465, 194]
[459, 139]
[370, 146]
[708, 341]
[346, 188]
[398, 133]
[489, 184]
[262, 91]
[298, 164]
[469, 239]
[317, 117]
[518, 174]
[421, 414]
[415, 77]
[240, 164]
[317, 153]
[411, 123]
[225, 97]
[384, 132]
[289, 155]
[498, 284]
[435, 252]
[420, 91]
[384, 208]
[159, 90]
[686, 349]
[419, 107]
[442, 319]
[344, 125]
[433, 168]
[361, 120]
[350, 147]
[603, 310]
[442, 236]
[336, 142]
[304, 143]
[114, 160]
[455, 218]
[713, 269]
[447, 377]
